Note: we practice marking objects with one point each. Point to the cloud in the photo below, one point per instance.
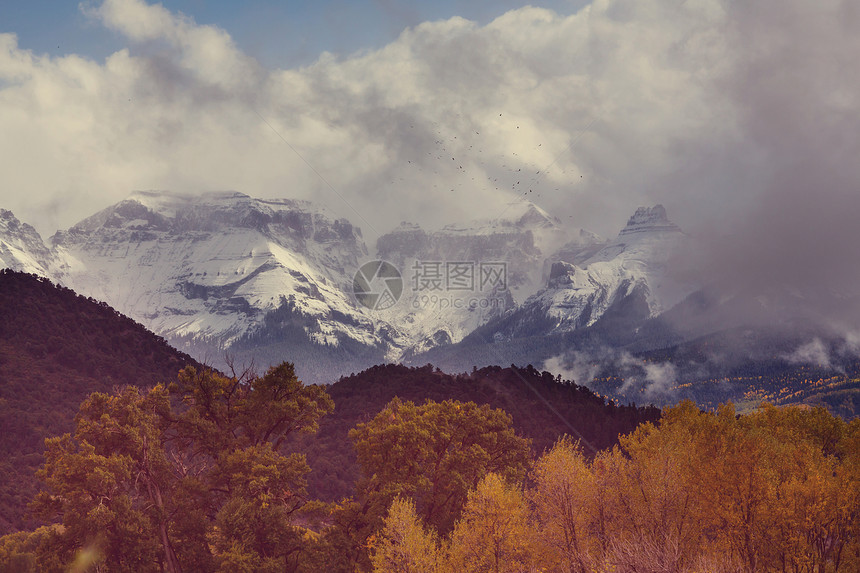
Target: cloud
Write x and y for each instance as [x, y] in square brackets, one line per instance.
[139, 20]
[449, 105]
[741, 118]
[813, 352]
[206, 53]
[576, 366]
[797, 112]
[660, 378]
[654, 381]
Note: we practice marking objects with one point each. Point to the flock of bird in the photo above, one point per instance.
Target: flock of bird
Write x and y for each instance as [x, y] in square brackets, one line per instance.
[462, 152]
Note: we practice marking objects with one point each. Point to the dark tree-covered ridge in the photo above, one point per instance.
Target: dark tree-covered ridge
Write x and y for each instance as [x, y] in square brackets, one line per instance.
[542, 408]
[57, 347]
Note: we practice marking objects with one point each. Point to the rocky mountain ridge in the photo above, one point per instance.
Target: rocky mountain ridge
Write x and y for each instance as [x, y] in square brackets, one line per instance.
[225, 272]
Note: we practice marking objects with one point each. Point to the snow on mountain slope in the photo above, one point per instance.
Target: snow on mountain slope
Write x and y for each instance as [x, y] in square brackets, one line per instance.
[576, 251]
[22, 248]
[224, 269]
[518, 239]
[211, 267]
[642, 254]
[635, 264]
[521, 237]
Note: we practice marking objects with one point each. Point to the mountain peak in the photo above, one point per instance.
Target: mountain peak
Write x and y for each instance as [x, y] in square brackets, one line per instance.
[649, 219]
[21, 246]
[10, 223]
[530, 215]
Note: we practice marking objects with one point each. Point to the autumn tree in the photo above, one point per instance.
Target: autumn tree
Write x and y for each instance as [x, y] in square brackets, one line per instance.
[434, 454]
[814, 489]
[769, 491]
[190, 477]
[32, 551]
[198, 476]
[109, 484]
[404, 545]
[567, 516]
[494, 534]
[650, 501]
[773, 490]
[232, 433]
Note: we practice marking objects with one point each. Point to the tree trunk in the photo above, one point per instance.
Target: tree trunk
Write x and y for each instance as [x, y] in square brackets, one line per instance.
[171, 562]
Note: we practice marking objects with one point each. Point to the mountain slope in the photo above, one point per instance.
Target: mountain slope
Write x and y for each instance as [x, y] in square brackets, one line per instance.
[56, 347]
[266, 281]
[461, 276]
[206, 271]
[22, 248]
[634, 266]
[272, 280]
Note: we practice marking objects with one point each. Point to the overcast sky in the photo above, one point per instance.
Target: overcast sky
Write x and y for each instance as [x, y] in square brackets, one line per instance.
[740, 117]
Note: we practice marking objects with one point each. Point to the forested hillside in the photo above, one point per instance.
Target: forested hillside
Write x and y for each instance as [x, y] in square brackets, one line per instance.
[154, 463]
[200, 475]
[57, 347]
[543, 408]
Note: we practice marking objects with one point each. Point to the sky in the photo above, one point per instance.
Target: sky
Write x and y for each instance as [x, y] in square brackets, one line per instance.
[274, 32]
[741, 118]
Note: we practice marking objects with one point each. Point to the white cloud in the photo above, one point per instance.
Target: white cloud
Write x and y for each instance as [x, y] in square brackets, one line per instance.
[205, 52]
[622, 103]
[661, 378]
[578, 367]
[813, 352]
[138, 20]
[181, 108]
[656, 381]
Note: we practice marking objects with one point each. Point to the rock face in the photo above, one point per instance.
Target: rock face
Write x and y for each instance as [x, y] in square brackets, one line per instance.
[649, 220]
[22, 248]
[633, 270]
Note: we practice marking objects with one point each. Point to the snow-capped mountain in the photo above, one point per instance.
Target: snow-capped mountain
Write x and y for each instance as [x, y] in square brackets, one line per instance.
[22, 248]
[274, 279]
[224, 275]
[211, 268]
[513, 245]
[633, 269]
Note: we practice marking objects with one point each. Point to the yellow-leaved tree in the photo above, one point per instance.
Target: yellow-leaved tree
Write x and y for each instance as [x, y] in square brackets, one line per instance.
[494, 534]
[404, 545]
[566, 511]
